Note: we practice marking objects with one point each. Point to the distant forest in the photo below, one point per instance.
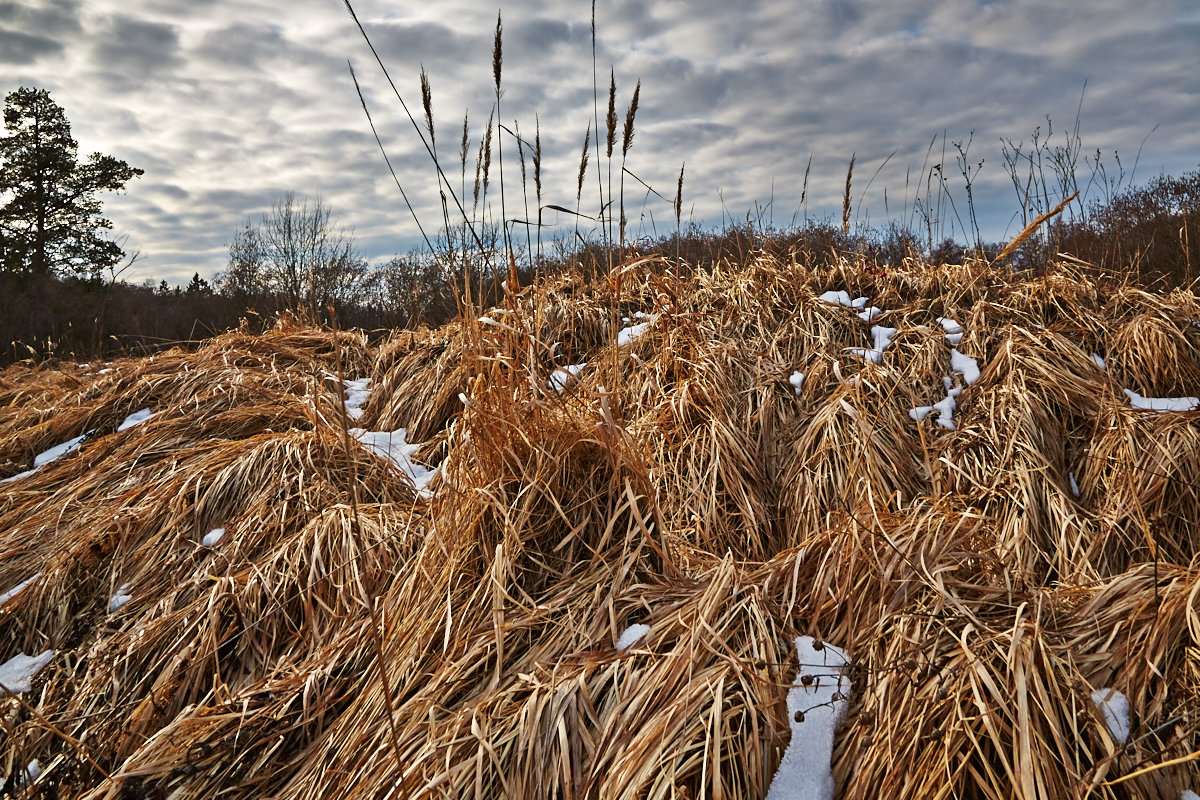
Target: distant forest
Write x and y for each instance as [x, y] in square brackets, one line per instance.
[1151, 234]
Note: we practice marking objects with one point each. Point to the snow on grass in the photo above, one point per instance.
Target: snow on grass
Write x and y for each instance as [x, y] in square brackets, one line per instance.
[136, 418]
[944, 407]
[816, 705]
[1162, 403]
[1188, 794]
[33, 771]
[16, 590]
[866, 354]
[357, 393]
[869, 313]
[212, 537]
[1099, 361]
[1074, 484]
[58, 451]
[627, 335]
[797, 380]
[53, 454]
[399, 452]
[121, 597]
[954, 331]
[560, 376]
[882, 336]
[968, 366]
[631, 636]
[18, 671]
[843, 298]
[1115, 707]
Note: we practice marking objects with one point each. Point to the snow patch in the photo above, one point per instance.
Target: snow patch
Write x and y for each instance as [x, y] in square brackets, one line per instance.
[53, 454]
[119, 599]
[136, 418]
[816, 707]
[797, 380]
[867, 354]
[843, 298]
[627, 335]
[631, 636]
[1162, 403]
[16, 590]
[16, 673]
[560, 376]
[1099, 361]
[212, 537]
[393, 447]
[357, 393]
[1115, 707]
[882, 336]
[968, 366]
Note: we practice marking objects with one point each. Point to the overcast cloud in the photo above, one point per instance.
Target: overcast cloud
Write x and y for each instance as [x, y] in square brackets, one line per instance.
[226, 105]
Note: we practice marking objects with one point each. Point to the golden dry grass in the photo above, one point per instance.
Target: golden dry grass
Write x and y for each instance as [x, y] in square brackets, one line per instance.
[352, 637]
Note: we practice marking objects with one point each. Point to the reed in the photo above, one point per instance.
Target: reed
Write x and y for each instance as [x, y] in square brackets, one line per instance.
[349, 635]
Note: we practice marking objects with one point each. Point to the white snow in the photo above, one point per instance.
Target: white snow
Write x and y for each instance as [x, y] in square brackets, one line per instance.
[627, 335]
[954, 331]
[1115, 707]
[212, 537]
[357, 393]
[1188, 794]
[816, 706]
[1074, 486]
[797, 380]
[16, 673]
[950, 325]
[393, 447]
[16, 590]
[1163, 403]
[869, 313]
[867, 354]
[843, 298]
[1099, 361]
[944, 407]
[560, 376]
[57, 452]
[53, 454]
[121, 597]
[136, 418]
[968, 366]
[631, 635]
[882, 336]
[33, 771]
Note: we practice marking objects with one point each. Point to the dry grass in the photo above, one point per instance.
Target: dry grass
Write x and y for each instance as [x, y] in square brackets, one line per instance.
[351, 637]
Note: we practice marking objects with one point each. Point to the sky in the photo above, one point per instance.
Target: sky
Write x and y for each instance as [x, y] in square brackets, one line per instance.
[228, 105]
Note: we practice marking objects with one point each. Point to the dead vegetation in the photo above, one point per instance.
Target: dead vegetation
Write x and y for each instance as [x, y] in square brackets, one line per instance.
[349, 636]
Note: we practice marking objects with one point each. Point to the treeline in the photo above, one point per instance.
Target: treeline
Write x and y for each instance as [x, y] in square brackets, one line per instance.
[294, 260]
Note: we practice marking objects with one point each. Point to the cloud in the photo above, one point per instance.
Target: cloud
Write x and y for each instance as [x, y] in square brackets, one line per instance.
[226, 105]
[21, 48]
[29, 32]
[130, 47]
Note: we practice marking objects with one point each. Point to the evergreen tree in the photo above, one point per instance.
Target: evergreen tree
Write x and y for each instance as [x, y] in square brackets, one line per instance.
[198, 286]
[50, 219]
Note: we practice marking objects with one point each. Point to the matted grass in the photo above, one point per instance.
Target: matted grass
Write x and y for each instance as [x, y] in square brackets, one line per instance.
[350, 636]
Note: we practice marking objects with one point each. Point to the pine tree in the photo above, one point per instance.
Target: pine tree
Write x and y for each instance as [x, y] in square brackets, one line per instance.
[50, 220]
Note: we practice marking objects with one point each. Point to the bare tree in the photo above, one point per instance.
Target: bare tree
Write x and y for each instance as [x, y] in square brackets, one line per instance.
[296, 255]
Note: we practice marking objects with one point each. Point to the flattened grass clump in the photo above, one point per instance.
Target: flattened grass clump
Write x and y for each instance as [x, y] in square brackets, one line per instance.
[347, 635]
